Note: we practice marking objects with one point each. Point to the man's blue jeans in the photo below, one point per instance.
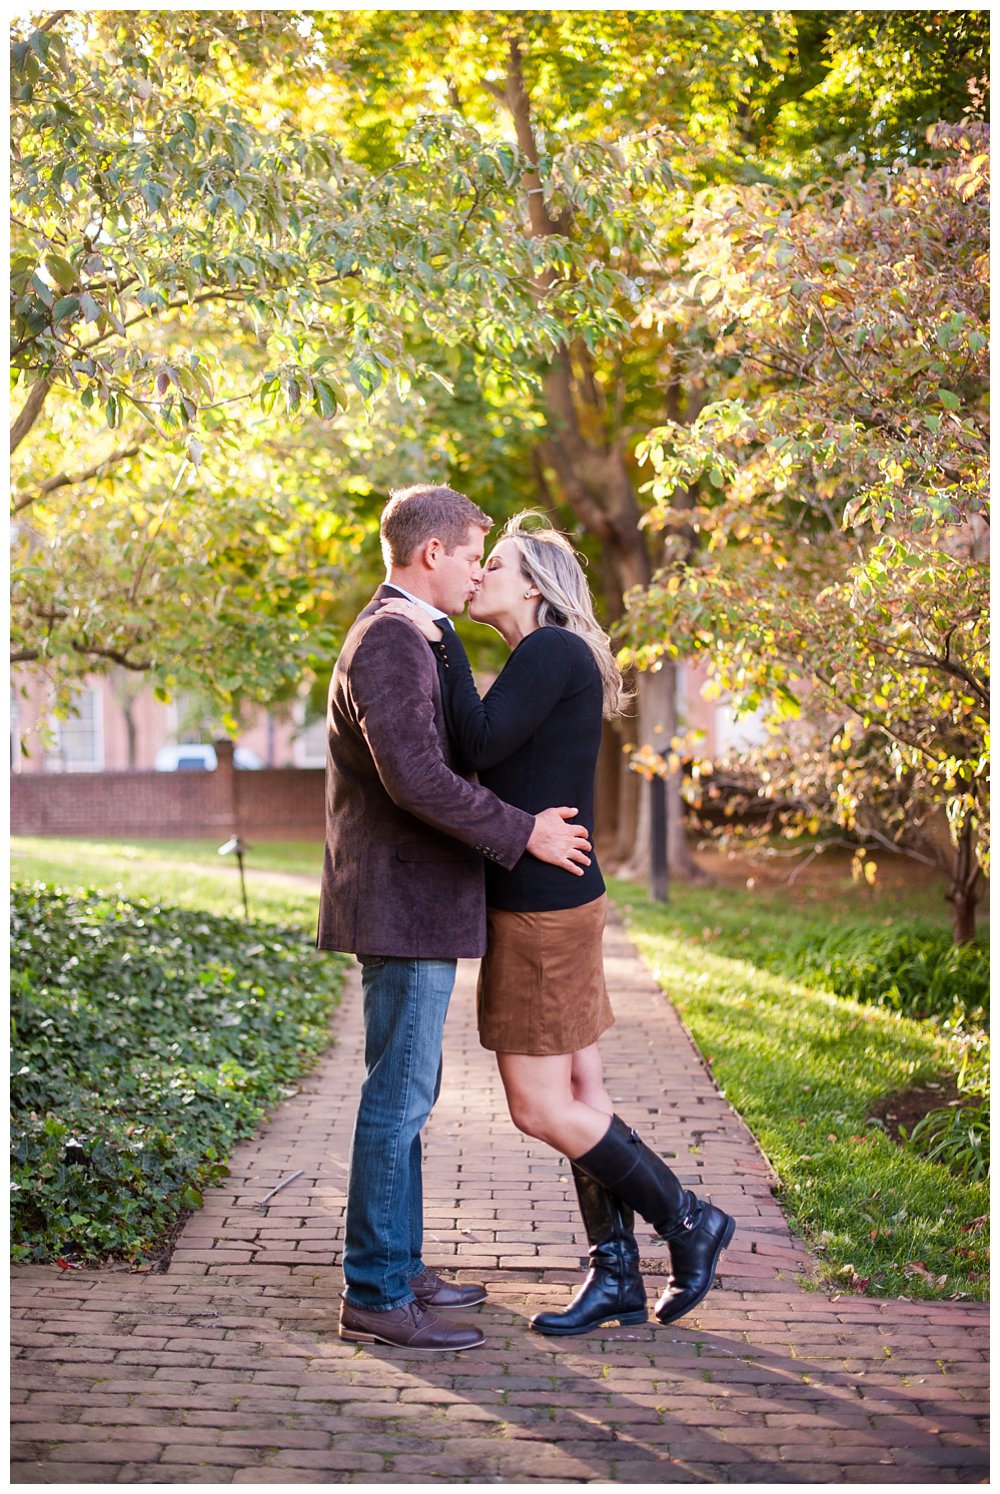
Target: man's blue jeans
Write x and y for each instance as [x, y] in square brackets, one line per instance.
[405, 1004]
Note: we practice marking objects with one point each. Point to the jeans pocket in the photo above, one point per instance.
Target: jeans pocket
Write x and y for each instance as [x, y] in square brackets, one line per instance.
[372, 962]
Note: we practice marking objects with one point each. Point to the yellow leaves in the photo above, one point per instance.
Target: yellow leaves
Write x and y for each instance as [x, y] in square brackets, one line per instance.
[973, 178]
[842, 741]
[711, 690]
[863, 869]
[649, 763]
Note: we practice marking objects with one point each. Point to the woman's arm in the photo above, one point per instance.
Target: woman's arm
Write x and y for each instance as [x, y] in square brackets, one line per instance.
[488, 730]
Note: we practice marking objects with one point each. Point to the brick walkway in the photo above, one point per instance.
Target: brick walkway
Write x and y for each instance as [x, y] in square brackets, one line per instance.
[228, 1369]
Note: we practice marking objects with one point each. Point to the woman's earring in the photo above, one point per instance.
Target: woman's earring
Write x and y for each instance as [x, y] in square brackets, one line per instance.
[528, 595]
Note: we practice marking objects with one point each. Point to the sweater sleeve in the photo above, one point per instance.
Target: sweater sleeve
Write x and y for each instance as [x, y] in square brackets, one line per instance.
[392, 687]
[532, 682]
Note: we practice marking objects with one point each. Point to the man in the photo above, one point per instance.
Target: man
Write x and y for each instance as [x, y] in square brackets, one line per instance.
[403, 890]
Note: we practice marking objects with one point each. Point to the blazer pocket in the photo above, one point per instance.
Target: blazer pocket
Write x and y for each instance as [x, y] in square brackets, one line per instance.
[422, 850]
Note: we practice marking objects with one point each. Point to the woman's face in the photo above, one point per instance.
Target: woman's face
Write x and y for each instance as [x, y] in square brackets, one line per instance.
[501, 591]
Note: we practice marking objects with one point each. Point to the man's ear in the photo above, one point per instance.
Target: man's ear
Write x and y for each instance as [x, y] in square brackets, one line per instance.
[431, 553]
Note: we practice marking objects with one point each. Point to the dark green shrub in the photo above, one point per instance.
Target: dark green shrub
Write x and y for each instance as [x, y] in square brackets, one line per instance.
[145, 1040]
[912, 969]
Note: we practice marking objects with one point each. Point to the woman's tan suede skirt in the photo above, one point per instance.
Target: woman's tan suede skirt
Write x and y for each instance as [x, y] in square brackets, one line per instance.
[541, 982]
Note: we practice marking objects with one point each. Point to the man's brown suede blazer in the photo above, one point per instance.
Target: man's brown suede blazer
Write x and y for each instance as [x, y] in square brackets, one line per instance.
[406, 832]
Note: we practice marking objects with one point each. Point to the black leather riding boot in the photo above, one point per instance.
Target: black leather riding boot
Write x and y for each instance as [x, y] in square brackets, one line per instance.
[613, 1287]
[697, 1231]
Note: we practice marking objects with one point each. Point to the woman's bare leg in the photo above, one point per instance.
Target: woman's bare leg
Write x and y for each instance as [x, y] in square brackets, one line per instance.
[542, 1102]
[563, 1101]
[588, 1080]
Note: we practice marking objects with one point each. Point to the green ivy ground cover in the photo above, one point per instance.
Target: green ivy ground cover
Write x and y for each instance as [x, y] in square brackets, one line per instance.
[145, 1040]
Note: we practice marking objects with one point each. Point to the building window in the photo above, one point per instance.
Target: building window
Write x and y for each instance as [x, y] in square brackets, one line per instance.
[78, 745]
[309, 750]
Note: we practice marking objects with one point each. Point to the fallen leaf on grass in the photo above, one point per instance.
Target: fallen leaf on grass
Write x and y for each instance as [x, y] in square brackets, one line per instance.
[917, 1268]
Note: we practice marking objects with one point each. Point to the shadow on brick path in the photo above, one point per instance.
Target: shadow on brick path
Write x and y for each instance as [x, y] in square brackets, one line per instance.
[228, 1369]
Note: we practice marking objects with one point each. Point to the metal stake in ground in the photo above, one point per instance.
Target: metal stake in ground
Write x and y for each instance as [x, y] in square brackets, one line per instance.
[659, 875]
[235, 844]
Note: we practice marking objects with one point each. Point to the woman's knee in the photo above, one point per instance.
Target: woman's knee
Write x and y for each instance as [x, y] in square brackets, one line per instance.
[538, 1092]
[531, 1114]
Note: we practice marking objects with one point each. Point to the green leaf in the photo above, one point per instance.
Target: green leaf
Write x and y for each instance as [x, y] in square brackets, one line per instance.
[948, 399]
[91, 310]
[42, 290]
[61, 270]
[65, 308]
[324, 399]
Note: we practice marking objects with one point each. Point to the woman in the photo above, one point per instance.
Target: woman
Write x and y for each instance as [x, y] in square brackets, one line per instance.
[542, 998]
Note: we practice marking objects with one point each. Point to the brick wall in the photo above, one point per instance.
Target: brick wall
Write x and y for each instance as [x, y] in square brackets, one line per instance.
[273, 804]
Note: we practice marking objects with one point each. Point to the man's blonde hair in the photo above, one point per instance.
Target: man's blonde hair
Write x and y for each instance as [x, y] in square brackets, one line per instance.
[421, 513]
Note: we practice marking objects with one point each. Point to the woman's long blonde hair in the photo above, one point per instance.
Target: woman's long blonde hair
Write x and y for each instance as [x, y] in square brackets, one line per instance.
[549, 562]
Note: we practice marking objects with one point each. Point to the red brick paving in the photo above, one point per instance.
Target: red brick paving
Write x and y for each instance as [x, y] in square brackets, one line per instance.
[227, 1368]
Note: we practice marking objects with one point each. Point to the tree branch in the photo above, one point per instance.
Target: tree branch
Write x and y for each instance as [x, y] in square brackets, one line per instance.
[68, 479]
[30, 411]
[933, 661]
[115, 655]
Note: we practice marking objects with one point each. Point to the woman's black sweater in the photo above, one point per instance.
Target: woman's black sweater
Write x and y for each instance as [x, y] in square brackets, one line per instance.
[534, 740]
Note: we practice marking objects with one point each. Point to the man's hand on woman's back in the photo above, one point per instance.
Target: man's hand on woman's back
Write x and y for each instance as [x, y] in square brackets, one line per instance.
[559, 843]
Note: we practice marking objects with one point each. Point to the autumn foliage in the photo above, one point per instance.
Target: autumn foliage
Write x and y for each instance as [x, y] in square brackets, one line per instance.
[833, 567]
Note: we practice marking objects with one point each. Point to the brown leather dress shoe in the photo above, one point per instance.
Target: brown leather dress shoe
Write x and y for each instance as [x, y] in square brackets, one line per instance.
[411, 1326]
[431, 1290]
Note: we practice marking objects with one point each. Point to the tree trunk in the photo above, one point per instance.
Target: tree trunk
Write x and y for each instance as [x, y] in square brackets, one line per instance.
[963, 915]
[658, 725]
[963, 893]
[132, 736]
[584, 451]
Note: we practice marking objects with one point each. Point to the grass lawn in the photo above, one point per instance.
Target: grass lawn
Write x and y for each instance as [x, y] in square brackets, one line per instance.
[804, 1068]
[184, 873]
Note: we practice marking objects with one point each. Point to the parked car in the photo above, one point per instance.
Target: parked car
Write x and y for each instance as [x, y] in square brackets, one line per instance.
[200, 757]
